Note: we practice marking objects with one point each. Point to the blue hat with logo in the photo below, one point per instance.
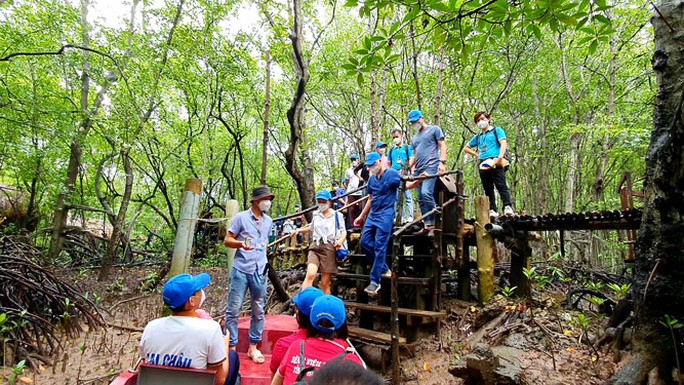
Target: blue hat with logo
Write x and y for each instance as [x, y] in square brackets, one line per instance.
[180, 288]
[371, 158]
[354, 156]
[380, 144]
[414, 115]
[324, 194]
[330, 308]
[305, 299]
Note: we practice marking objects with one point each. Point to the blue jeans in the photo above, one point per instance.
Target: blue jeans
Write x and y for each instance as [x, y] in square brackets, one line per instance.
[233, 368]
[407, 211]
[239, 283]
[426, 195]
[374, 241]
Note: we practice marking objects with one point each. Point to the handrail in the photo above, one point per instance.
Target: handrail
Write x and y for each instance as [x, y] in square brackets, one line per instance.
[314, 207]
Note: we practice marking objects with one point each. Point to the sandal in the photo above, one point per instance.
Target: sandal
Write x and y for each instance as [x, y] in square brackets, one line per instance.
[256, 356]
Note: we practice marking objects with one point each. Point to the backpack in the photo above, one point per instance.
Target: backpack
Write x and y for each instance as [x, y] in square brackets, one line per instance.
[303, 370]
[507, 156]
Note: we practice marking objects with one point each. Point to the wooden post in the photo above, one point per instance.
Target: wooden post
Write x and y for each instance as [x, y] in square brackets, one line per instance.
[485, 242]
[182, 247]
[520, 258]
[462, 254]
[232, 208]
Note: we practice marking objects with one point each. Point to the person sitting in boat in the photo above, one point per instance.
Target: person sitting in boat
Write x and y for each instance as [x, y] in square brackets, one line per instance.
[328, 320]
[185, 340]
[302, 302]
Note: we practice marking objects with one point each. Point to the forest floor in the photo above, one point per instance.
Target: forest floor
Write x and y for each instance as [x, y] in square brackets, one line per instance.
[542, 340]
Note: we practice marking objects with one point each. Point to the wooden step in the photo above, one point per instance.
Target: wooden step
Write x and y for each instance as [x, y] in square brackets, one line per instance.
[373, 336]
[402, 280]
[402, 311]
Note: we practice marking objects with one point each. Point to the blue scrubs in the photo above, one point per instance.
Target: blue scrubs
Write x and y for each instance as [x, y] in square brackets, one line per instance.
[378, 227]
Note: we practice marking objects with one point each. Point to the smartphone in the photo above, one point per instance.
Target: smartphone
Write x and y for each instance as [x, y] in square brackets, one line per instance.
[248, 242]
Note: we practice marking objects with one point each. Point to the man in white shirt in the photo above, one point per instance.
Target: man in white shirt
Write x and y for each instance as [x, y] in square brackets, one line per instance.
[185, 340]
[353, 181]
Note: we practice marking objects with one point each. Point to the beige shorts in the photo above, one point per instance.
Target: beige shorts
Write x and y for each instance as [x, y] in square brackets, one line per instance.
[324, 256]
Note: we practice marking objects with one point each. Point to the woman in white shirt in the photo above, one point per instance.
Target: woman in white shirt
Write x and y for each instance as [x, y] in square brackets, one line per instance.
[328, 234]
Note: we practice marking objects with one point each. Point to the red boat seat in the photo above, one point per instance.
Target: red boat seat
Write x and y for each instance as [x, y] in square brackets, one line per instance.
[166, 375]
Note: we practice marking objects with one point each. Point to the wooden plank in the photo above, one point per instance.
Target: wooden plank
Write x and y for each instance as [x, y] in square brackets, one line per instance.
[372, 335]
[402, 280]
[402, 311]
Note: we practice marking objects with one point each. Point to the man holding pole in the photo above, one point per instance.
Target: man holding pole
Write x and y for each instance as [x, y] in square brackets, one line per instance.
[248, 234]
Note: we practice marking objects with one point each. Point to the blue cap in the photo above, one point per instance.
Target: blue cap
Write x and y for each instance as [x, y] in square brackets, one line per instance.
[180, 288]
[328, 307]
[305, 299]
[324, 194]
[354, 156]
[371, 158]
[414, 115]
[380, 144]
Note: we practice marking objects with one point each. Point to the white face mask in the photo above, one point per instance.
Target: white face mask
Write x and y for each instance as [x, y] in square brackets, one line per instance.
[203, 298]
[322, 206]
[265, 205]
[374, 170]
[355, 162]
[381, 151]
[417, 125]
[483, 124]
[397, 141]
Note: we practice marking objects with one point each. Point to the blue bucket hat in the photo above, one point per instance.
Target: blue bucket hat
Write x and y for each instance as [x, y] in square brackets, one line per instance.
[180, 288]
[371, 158]
[330, 308]
[305, 299]
[380, 144]
[414, 115]
[324, 194]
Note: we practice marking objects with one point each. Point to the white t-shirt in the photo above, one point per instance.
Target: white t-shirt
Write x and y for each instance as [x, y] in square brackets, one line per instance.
[184, 342]
[324, 230]
[352, 180]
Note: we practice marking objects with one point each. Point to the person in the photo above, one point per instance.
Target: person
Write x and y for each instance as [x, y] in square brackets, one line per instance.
[337, 191]
[352, 177]
[381, 148]
[399, 157]
[429, 156]
[328, 322]
[379, 209]
[329, 235]
[490, 146]
[302, 303]
[343, 372]
[248, 234]
[185, 340]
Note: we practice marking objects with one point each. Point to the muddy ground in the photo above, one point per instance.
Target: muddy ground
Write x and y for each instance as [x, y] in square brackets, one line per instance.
[539, 337]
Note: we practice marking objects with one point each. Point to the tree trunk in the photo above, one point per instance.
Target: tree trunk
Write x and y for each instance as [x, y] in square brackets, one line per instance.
[573, 168]
[374, 118]
[659, 277]
[440, 88]
[267, 116]
[414, 68]
[296, 151]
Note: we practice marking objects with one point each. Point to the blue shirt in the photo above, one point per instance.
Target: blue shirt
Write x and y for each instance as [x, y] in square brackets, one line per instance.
[384, 191]
[486, 143]
[244, 225]
[398, 156]
[426, 148]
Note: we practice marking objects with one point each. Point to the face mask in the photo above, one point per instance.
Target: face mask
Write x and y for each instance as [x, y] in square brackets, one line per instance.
[265, 205]
[381, 151]
[355, 162]
[203, 298]
[322, 206]
[397, 141]
[483, 124]
[417, 125]
[374, 170]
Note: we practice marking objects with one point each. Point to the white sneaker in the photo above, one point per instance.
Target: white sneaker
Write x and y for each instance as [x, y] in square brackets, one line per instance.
[493, 214]
[508, 210]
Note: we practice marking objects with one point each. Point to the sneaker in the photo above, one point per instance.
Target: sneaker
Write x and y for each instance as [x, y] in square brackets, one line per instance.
[508, 210]
[387, 274]
[493, 214]
[372, 289]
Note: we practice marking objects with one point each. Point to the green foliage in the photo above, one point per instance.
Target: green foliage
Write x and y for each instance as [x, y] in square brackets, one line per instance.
[620, 290]
[581, 321]
[17, 370]
[508, 291]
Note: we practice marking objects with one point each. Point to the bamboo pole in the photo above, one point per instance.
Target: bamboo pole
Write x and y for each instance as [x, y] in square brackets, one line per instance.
[485, 242]
[182, 246]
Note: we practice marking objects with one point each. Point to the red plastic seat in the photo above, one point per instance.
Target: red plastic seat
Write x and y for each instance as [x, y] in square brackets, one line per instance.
[165, 375]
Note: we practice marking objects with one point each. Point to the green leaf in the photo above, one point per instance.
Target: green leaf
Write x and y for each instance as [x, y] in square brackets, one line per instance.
[439, 6]
[351, 3]
[593, 46]
[415, 10]
[566, 19]
[359, 79]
